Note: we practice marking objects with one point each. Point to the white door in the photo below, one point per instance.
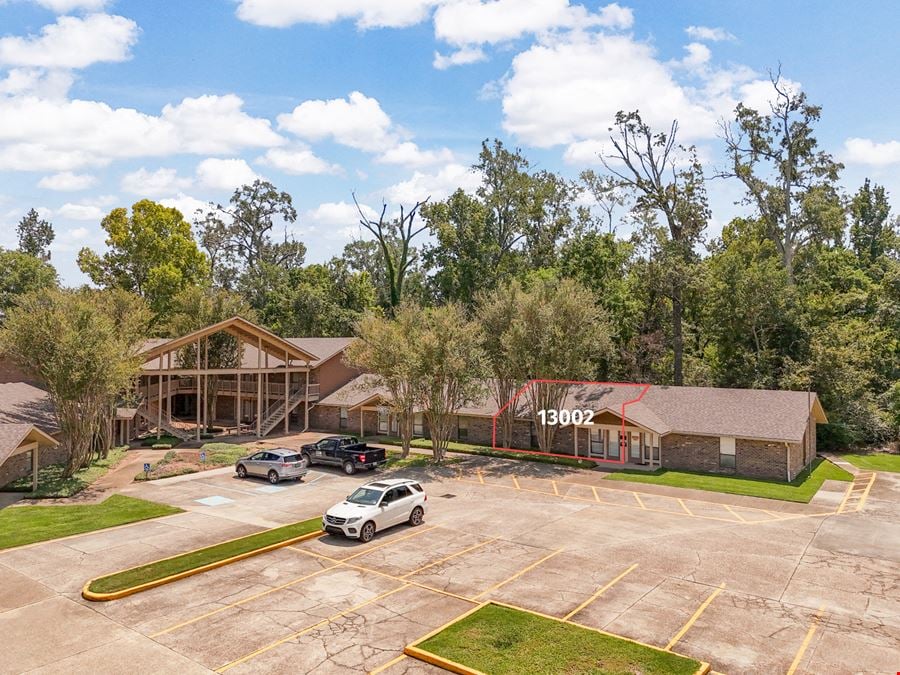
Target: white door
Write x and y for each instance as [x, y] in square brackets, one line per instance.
[388, 510]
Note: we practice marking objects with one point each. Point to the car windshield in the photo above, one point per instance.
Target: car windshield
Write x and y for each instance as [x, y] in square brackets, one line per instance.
[366, 496]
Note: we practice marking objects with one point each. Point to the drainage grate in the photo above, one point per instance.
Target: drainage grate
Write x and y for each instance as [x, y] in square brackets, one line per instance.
[446, 496]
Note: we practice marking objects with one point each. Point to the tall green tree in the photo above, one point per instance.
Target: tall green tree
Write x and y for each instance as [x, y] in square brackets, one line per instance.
[152, 253]
[83, 345]
[21, 273]
[872, 233]
[777, 158]
[666, 179]
[239, 239]
[35, 235]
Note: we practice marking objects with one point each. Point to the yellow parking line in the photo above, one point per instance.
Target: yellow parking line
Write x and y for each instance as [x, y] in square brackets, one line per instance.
[684, 506]
[735, 513]
[596, 496]
[516, 483]
[805, 644]
[518, 574]
[240, 602]
[387, 665]
[693, 619]
[865, 495]
[599, 593]
[480, 477]
[292, 636]
[261, 594]
[555, 489]
[638, 497]
[446, 558]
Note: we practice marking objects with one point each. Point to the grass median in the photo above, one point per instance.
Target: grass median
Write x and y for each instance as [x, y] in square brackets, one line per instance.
[801, 489]
[502, 640]
[193, 560]
[881, 461]
[20, 525]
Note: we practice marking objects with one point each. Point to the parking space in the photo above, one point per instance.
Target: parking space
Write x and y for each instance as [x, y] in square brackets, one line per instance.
[746, 588]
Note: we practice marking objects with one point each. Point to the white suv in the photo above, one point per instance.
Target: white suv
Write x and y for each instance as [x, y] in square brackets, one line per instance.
[375, 507]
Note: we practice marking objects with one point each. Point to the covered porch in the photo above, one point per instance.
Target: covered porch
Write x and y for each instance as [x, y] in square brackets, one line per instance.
[604, 438]
[20, 446]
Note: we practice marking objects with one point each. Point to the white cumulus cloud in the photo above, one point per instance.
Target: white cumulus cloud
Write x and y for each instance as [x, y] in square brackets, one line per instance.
[80, 212]
[225, 174]
[356, 121]
[871, 153]
[67, 181]
[297, 161]
[66, 6]
[187, 205]
[460, 57]
[435, 185]
[72, 42]
[409, 154]
[366, 13]
[157, 183]
[707, 34]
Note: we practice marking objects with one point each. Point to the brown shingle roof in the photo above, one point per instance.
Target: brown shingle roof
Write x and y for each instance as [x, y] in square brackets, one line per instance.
[22, 403]
[14, 435]
[707, 411]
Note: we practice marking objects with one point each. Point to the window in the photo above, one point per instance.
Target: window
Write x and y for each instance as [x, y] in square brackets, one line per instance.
[534, 438]
[418, 427]
[462, 428]
[343, 422]
[383, 420]
[596, 449]
[614, 443]
[401, 492]
[726, 452]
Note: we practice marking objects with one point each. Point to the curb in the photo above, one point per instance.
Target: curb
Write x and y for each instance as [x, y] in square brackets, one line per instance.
[415, 652]
[87, 594]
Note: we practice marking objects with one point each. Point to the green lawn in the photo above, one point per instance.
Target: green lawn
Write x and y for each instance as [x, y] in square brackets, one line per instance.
[875, 462]
[413, 461]
[164, 439]
[204, 556]
[468, 449]
[175, 464]
[501, 640]
[20, 525]
[51, 483]
[801, 489]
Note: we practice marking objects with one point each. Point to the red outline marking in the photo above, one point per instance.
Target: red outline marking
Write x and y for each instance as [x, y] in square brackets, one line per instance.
[622, 446]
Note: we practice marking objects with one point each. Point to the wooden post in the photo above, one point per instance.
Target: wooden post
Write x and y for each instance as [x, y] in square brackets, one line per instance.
[287, 382]
[266, 378]
[362, 428]
[259, 387]
[35, 464]
[206, 387]
[169, 387]
[238, 403]
[306, 403]
[197, 384]
[575, 429]
[159, 401]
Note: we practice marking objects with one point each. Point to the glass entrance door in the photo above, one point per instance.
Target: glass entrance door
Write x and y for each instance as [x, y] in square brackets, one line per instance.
[634, 451]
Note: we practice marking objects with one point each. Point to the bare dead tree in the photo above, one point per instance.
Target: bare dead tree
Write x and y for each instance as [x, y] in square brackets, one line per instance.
[394, 237]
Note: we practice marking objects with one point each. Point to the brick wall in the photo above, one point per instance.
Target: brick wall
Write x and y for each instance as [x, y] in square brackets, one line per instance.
[757, 459]
[19, 466]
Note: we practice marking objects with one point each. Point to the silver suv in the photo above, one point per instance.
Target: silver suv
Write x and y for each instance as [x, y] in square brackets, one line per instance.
[277, 464]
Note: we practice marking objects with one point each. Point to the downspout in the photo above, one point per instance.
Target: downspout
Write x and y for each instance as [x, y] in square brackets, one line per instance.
[787, 447]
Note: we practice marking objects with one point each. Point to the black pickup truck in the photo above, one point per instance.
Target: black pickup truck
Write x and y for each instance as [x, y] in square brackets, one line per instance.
[343, 451]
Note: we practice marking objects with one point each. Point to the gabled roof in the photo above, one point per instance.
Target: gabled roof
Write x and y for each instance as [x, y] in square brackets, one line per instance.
[237, 326]
[13, 436]
[23, 403]
[762, 414]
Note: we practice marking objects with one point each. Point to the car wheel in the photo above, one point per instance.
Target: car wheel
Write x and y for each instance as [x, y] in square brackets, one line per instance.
[273, 477]
[307, 460]
[241, 471]
[367, 532]
[349, 469]
[415, 518]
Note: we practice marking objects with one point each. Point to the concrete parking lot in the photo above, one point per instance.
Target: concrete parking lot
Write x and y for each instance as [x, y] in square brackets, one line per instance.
[746, 585]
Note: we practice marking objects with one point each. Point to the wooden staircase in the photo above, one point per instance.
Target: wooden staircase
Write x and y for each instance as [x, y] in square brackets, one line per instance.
[151, 413]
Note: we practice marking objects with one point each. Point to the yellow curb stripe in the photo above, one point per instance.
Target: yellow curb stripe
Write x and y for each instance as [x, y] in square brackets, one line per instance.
[384, 666]
[805, 644]
[865, 495]
[686, 627]
[88, 594]
[599, 593]
[303, 631]
[518, 574]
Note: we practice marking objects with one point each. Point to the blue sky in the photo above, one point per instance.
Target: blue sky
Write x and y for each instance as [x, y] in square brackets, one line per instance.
[104, 102]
